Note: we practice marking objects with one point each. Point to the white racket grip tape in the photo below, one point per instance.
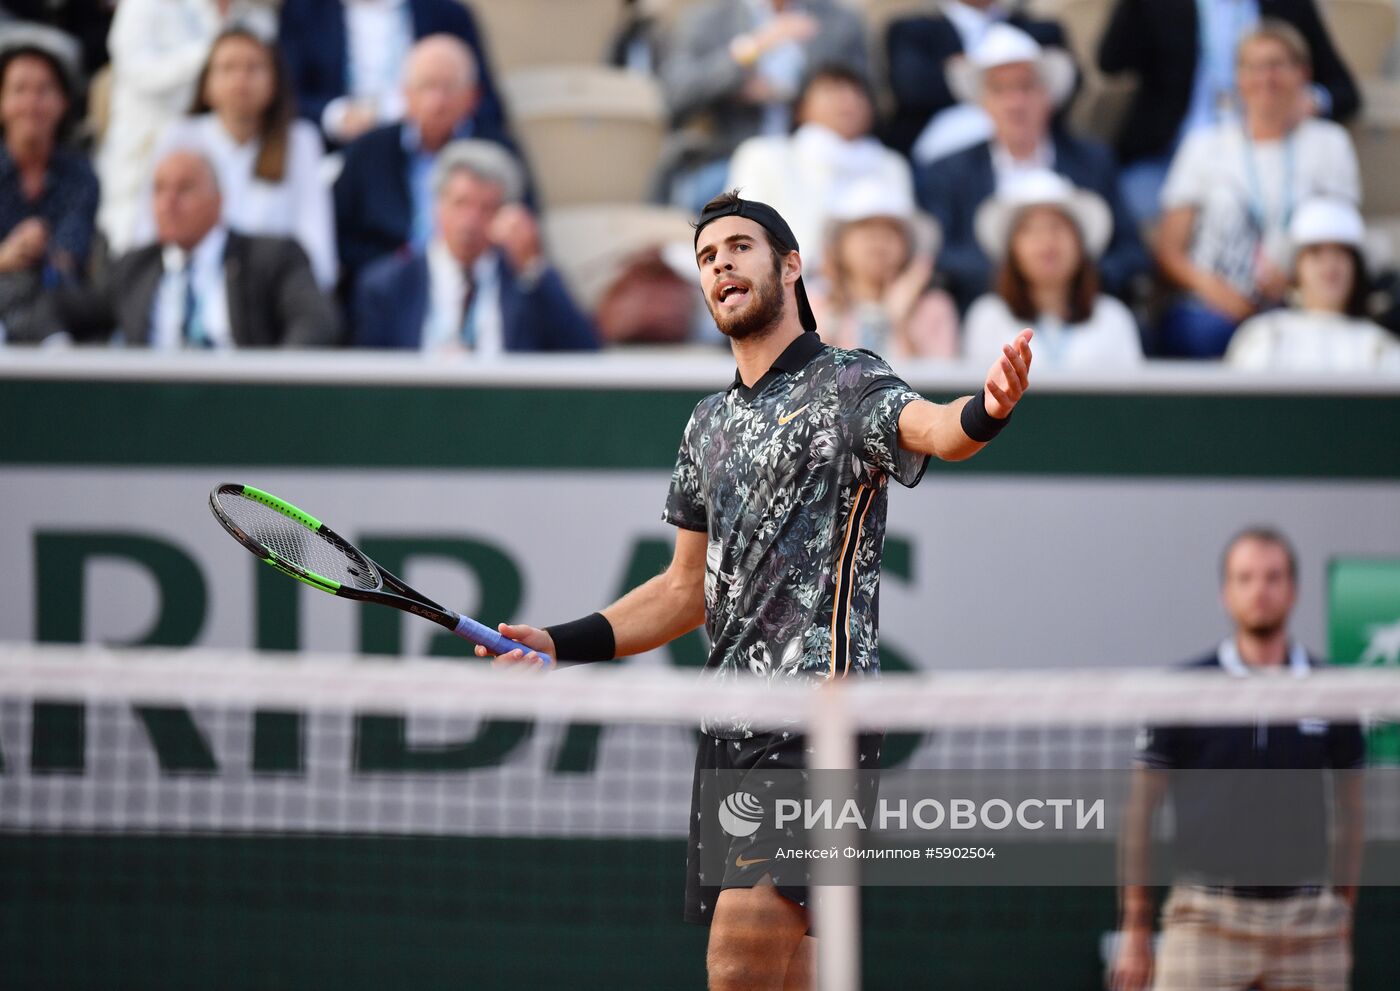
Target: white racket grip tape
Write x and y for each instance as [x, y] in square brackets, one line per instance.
[470, 629]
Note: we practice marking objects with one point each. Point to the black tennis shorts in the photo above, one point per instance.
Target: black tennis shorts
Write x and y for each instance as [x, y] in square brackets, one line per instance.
[761, 752]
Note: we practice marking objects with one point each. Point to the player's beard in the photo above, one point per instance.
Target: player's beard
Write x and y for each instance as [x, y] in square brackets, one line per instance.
[764, 309]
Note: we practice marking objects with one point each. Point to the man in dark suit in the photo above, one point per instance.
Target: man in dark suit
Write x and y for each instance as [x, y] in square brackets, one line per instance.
[202, 285]
[918, 47]
[1015, 81]
[383, 196]
[1185, 73]
[342, 58]
[482, 284]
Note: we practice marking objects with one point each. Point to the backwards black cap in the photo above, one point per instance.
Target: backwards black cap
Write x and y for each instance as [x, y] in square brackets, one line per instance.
[771, 221]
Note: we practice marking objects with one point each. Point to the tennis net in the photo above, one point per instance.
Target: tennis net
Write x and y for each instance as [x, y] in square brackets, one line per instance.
[208, 818]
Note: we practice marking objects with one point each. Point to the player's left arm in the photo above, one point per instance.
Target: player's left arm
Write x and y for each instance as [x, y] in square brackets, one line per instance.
[937, 429]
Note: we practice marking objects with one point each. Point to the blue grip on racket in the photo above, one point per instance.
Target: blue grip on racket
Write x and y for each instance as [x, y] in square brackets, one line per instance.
[470, 629]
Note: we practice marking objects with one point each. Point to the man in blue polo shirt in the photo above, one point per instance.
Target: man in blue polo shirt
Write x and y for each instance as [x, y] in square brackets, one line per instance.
[1221, 929]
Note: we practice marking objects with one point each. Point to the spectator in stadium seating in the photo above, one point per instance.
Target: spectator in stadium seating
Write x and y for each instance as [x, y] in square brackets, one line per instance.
[347, 57]
[270, 164]
[383, 197]
[832, 147]
[48, 193]
[920, 46]
[876, 293]
[733, 67]
[157, 49]
[1046, 235]
[1232, 189]
[1263, 895]
[202, 285]
[1018, 83]
[1326, 328]
[85, 21]
[1185, 67]
[482, 283]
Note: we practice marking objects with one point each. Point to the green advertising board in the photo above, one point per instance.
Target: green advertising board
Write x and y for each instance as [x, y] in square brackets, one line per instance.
[1363, 598]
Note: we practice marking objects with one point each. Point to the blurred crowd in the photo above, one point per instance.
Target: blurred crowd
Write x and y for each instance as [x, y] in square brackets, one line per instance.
[1132, 178]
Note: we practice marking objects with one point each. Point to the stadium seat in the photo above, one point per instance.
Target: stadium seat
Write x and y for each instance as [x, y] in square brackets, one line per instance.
[589, 243]
[1102, 101]
[1377, 138]
[1363, 31]
[99, 105]
[591, 134]
[1084, 22]
[526, 33]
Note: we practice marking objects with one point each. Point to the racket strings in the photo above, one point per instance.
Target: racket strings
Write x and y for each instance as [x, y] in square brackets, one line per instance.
[296, 544]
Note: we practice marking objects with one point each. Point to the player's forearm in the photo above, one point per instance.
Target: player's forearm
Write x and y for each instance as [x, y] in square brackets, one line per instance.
[656, 612]
[931, 428]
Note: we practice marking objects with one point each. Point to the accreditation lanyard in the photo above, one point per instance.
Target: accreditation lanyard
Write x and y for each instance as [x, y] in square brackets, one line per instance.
[1258, 210]
[1052, 336]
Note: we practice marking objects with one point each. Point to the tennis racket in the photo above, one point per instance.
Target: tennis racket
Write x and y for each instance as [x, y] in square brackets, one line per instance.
[302, 547]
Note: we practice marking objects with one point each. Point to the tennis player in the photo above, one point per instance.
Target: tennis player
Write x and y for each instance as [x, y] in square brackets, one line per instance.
[778, 497]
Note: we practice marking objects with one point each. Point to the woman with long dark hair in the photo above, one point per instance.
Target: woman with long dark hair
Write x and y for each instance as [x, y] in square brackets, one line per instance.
[1047, 235]
[269, 162]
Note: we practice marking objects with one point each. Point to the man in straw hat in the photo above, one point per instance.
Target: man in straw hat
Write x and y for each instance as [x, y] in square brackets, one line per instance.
[778, 499]
[919, 46]
[1019, 84]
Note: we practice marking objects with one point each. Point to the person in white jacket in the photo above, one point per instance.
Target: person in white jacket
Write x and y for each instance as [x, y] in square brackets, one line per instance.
[270, 164]
[157, 48]
[831, 149]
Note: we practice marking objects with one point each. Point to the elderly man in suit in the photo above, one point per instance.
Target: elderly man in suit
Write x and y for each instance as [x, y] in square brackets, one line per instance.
[383, 197]
[202, 286]
[345, 58]
[733, 67]
[482, 283]
[1019, 84]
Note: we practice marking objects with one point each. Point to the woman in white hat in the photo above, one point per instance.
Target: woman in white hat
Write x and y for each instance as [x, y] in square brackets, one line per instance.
[1325, 329]
[1046, 234]
[875, 293]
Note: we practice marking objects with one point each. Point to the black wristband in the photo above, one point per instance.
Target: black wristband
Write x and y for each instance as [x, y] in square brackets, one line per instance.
[977, 423]
[587, 639]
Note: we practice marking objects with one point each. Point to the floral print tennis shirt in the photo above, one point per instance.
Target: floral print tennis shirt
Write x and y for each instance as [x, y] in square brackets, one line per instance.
[789, 482]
